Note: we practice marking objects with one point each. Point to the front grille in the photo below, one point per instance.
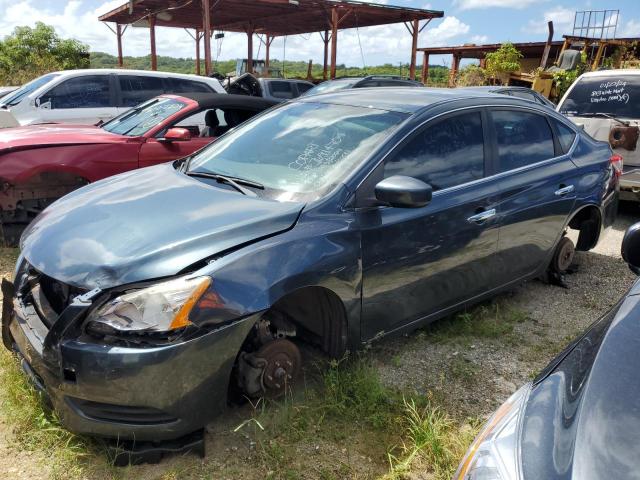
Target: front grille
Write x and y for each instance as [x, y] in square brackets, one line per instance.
[121, 414]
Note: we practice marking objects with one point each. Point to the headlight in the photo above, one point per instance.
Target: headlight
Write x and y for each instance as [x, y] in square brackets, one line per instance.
[160, 308]
[494, 454]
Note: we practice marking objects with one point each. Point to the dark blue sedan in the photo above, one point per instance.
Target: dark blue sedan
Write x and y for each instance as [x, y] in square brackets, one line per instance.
[141, 303]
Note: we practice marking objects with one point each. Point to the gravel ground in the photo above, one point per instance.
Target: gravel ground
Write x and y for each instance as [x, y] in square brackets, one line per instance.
[469, 374]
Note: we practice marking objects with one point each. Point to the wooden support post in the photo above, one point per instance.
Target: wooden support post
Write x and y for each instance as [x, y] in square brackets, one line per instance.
[325, 39]
[415, 30]
[267, 55]
[119, 37]
[250, 48]
[596, 60]
[455, 64]
[547, 47]
[152, 32]
[198, 37]
[206, 31]
[334, 41]
[425, 68]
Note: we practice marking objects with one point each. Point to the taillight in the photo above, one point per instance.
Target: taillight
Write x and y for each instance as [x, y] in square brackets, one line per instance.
[616, 163]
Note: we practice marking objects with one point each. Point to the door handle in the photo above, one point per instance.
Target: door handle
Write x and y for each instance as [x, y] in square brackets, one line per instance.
[482, 217]
[564, 191]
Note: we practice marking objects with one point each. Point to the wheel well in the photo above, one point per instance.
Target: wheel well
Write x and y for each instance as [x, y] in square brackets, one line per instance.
[588, 221]
[319, 315]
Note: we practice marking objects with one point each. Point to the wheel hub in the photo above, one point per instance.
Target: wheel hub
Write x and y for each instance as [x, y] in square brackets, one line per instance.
[283, 361]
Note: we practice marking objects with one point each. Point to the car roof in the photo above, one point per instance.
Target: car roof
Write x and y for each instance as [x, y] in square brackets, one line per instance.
[124, 71]
[292, 80]
[223, 100]
[613, 73]
[496, 88]
[403, 99]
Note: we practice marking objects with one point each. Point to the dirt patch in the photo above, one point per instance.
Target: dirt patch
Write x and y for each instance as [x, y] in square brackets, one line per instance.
[468, 365]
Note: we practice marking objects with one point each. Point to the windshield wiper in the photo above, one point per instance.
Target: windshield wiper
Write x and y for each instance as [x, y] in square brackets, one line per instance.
[234, 182]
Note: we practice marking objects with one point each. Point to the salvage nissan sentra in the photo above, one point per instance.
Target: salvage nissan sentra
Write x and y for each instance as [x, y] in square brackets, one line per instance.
[143, 302]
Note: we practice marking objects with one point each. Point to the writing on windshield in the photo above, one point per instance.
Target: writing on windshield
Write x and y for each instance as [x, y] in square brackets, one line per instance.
[616, 95]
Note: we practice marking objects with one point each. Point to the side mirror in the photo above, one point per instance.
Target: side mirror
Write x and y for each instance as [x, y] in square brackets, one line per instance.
[176, 135]
[403, 192]
[631, 248]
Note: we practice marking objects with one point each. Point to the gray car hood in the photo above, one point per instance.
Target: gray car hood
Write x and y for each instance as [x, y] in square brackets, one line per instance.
[146, 224]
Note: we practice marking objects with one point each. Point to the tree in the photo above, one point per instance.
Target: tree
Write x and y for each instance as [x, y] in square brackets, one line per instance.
[30, 52]
[503, 62]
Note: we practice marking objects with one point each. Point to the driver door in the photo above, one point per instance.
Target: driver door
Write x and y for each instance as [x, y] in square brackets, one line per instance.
[418, 262]
[155, 151]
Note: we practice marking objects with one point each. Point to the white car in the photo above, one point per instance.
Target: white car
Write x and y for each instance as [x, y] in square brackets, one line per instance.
[90, 96]
[606, 103]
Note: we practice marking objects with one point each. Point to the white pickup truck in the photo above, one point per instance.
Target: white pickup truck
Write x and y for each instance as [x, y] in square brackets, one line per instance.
[607, 104]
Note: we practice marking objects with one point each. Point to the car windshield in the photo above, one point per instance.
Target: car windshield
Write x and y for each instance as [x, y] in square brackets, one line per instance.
[617, 95]
[299, 151]
[16, 97]
[333, 86]
[144, 117]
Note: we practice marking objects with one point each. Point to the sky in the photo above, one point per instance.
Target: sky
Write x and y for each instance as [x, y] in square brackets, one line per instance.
[465, 21]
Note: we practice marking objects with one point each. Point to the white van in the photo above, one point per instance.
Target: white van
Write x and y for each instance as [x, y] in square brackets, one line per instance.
[90, 96]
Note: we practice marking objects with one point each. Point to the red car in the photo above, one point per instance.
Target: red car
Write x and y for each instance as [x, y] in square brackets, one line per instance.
[41, 163]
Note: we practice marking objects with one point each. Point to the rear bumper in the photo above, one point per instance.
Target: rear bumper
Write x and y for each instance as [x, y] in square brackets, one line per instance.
[630, 183]
[145, 394]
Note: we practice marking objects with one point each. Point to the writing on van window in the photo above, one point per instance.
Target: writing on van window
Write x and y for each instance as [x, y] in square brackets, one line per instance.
[315, 155]
[611, 91]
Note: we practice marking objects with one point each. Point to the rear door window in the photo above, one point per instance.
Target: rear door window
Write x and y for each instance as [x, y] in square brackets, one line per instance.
[566, 135]
[182, 85]
[522, 138]
[87, 91]
[447, 153]
[303, 87]
[136, 89]
[617, 95]
[281, 89]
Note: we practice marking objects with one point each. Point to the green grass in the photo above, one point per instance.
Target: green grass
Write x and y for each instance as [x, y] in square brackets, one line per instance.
[433, 442]
[35, 428]
[491, 320]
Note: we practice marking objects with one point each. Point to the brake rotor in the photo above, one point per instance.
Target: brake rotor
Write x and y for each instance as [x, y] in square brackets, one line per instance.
[564, 255]
[283, 363]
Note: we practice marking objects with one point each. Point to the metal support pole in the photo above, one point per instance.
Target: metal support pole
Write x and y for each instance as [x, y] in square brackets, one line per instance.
[425, 68]
[415, 30]
[547, 47]
[119, 37]
[152, 32]
[250, 48]
[206, 30]
[334, 41]
[267, 55]
[325, 39]
[198, 51]
[454, 70]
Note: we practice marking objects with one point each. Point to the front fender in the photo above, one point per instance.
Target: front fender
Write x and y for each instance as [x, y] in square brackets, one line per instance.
[322, 250]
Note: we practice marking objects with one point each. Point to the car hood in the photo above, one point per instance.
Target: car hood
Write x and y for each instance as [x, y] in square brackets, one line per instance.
[582, 422]
[53, 134]
[146, 224]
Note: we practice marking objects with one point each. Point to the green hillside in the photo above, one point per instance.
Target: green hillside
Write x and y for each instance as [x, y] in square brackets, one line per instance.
[437, 73]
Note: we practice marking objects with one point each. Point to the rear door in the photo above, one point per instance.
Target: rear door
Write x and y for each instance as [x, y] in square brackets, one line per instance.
[417, 262]
[538, 184]
[86, 99]
[135, 89]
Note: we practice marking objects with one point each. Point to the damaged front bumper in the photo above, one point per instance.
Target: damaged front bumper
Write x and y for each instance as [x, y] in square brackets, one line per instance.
[144, 394]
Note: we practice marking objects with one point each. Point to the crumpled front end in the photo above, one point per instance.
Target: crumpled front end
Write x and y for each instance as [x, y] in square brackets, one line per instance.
[143, 391]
